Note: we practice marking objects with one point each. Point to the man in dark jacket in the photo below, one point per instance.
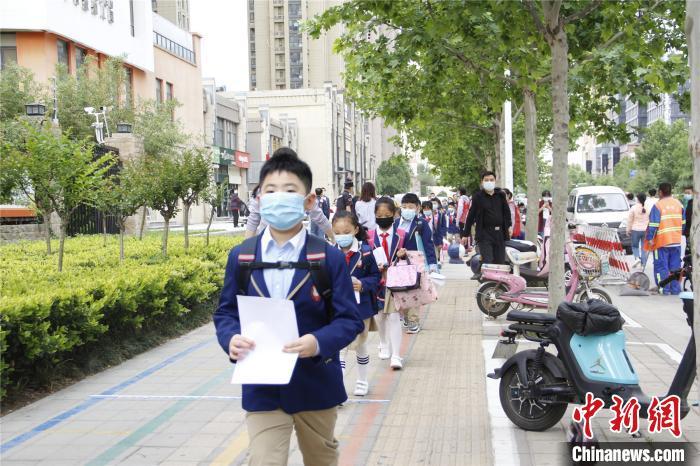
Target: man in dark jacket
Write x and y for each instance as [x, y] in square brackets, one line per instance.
[346, 201]
[489, 211]
[234, 206]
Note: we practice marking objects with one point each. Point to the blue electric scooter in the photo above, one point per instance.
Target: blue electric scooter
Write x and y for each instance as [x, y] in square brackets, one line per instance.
[537, 386]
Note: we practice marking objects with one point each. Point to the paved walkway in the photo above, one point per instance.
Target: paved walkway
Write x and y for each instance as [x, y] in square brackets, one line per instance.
[175, 405]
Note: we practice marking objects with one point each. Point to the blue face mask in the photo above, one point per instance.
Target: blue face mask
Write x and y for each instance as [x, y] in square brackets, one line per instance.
[687, 197]
[428, 213]
[344, 241]
[408, 214]
[282, 210]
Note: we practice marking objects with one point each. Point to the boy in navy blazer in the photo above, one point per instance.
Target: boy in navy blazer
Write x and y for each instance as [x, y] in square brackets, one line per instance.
[309, 402]
[418, 238]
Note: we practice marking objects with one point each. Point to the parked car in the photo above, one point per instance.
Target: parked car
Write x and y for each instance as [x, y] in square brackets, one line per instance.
[600, 206]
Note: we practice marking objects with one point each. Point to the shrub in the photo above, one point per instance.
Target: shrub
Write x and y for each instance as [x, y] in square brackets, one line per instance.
[46, 317]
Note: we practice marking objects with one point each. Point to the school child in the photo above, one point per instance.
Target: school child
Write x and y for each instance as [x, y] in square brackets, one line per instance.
[438, 226]
[352, 241]
[418, 238]
[452, 223]
[326, 313]
[388, 320]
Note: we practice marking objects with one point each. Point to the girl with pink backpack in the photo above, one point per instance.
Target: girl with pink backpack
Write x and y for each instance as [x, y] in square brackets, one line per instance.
[385, 241]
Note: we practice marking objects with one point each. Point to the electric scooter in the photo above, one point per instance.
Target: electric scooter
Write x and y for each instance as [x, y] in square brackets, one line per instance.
[501, 288]
[536, 386]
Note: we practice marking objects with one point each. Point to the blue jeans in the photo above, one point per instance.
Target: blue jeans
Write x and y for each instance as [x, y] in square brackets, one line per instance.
[637, 238]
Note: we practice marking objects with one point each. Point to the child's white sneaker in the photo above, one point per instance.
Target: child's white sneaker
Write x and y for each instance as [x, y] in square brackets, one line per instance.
[396, 363]
[384, 352]
[361, 388]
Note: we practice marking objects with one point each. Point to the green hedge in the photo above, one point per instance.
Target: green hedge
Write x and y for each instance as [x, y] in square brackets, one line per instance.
[48, 318]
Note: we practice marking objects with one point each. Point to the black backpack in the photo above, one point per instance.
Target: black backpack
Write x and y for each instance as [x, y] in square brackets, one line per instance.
[315, 263]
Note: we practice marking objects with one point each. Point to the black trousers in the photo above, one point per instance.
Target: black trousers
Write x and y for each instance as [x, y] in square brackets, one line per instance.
[234, 213]
[492, 246]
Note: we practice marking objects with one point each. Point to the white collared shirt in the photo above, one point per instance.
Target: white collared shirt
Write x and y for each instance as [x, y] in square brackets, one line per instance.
[279, 281]
[378, 233]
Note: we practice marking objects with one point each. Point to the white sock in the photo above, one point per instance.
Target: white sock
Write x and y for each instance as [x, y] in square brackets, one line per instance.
[394, 325]
[381, 319]
[362, 362]
[343, 353]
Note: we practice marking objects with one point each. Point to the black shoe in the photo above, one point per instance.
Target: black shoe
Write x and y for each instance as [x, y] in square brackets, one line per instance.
[476, 277]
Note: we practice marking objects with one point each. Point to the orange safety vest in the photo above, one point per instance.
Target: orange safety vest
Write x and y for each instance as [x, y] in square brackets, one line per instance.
[670, 227]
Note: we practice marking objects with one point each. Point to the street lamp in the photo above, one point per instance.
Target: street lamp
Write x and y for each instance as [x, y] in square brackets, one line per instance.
[35, 110]
[123, 128]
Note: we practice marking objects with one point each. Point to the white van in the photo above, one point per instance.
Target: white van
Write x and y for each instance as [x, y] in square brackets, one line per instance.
[597, 205]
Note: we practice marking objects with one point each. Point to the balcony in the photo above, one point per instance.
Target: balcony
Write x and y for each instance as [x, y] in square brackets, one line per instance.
[279, 66]
[279, 18]
[279, 49]
[279, 34]
[279, 80]
[278, 2]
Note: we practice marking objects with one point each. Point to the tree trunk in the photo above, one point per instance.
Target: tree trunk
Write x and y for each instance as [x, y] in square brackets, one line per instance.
[61, 242]
[692, 30]
[122, 227]
[143, 222]
[556, 37]
[166, 229]
[530, 113]
[496, 166]
[47, 233]
[186, 219]
[211, 218]
[104, 230]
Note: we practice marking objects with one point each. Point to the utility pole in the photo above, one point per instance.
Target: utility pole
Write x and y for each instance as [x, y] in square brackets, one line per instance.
[507, 144]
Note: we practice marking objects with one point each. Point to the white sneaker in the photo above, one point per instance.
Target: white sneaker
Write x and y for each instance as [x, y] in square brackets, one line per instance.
[361, 388]
[396, 363]
[384, 353]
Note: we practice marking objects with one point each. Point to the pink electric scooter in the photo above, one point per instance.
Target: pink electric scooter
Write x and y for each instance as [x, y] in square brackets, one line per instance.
[502, 289]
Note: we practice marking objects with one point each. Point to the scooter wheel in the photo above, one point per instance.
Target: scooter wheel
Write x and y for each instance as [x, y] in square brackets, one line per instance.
[536, 415]
[486, 299]
[594, 293]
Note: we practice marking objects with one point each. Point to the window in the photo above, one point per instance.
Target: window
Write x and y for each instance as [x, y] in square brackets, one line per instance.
[230, 141]
[603, 202]
[168, 91]
[159, 90]
[8, 48]
[131, 16]
[219, 133]
[62, 48]
[80, 56]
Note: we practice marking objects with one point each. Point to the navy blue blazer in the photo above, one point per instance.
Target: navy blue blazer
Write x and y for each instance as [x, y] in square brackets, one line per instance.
[317, 382]
[366, 270]
[452, 224]
[439, 228]
[424, 231]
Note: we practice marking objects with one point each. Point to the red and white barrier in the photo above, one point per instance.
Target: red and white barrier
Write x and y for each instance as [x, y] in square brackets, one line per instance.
[606, 243]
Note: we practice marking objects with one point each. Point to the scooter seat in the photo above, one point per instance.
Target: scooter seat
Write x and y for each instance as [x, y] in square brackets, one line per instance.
[519, 258]
[530, 317]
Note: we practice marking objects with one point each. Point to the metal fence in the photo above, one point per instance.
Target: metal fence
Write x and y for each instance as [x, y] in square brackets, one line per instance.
[87, 220]
[606, 243]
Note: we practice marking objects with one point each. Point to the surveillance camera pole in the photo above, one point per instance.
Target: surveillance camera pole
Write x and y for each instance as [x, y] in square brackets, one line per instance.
[54, 120]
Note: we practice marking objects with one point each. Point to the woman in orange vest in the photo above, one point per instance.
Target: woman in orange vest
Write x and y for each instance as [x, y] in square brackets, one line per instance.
[663, 237]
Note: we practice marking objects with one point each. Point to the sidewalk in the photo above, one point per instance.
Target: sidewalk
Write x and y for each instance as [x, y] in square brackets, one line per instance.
[174, 405]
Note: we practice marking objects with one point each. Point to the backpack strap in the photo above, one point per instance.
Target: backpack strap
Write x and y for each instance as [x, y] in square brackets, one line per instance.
[246, 260]
[370, 237]
[316, 257]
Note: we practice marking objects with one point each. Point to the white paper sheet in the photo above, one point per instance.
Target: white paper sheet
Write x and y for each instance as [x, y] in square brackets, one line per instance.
[270, 323]
[357, 297]
[380, 256]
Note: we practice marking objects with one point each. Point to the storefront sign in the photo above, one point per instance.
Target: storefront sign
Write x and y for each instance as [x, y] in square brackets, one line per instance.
[226, 156]
[242, 159]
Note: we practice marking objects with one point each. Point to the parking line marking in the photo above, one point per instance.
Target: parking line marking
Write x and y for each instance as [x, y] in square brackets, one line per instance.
[630, 321]
[503, 443]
